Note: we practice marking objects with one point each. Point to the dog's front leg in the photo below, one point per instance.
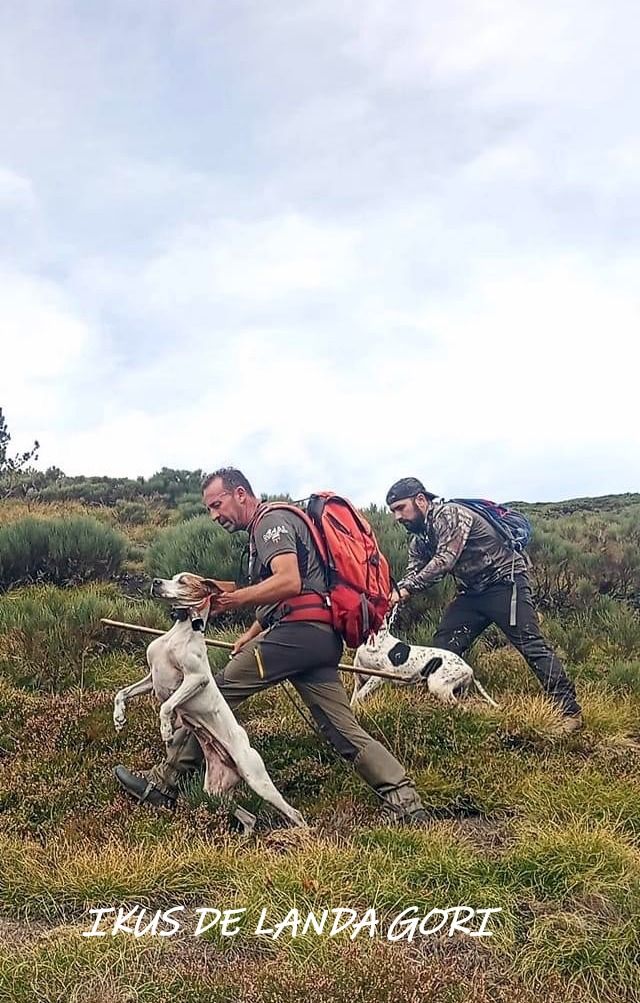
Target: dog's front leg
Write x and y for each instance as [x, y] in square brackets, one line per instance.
[187, 689]
[358, 680]
[136, 689]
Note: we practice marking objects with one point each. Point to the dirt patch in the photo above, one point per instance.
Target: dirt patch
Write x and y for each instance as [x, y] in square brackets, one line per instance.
[488, 834]
[16, 933]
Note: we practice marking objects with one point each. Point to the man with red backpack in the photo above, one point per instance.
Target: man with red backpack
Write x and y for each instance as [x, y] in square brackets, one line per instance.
[481, 545]
[293, 637]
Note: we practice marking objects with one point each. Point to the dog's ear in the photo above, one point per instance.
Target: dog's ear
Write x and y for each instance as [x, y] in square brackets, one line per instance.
[215, 585]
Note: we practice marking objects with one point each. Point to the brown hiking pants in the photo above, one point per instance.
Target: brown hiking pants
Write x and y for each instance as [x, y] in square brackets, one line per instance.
[306, 654]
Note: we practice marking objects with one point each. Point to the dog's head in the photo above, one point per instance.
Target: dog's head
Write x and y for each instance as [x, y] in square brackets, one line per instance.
[185, 588]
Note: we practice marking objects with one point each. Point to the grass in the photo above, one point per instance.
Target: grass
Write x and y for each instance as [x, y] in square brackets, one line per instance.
[546, 830]
[359, 972]
[51, 638]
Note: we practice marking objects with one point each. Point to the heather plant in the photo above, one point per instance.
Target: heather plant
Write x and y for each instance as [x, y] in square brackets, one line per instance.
[61, 551]
[197, 545]
[134, 512]
[598, 548]
[93, 490]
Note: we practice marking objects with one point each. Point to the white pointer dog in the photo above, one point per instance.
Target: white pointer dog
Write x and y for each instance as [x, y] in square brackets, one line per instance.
[180, 676]
[447, 675]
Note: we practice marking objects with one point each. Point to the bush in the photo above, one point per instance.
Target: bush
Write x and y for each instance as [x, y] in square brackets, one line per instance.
[624, 676]
[61, 551]
[135, 513]
[198, 545]
[93, 490]
[189, 509]
[620, 625]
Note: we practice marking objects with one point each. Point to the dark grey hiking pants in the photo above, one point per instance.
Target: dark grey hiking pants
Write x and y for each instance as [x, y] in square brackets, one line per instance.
[468, 615]
[306, 654]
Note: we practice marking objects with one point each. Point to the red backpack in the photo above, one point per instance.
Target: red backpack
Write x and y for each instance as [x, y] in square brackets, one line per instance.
[358, 575]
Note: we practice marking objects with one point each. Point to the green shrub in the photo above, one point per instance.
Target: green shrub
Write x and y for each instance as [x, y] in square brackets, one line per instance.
[136, 513]
[189, 509]
[620, 625]
[624, 676]
[93, 490]
[61, 551]
[135, 553]
[198, 545]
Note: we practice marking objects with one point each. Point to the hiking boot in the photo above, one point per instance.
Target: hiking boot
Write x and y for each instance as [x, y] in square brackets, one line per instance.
[402, 804]
[568, 725]
[143, 790]
[417, 817]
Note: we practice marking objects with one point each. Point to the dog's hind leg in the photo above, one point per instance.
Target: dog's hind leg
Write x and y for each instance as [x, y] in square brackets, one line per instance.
[442, 691]
[253, 771]
[462, 689]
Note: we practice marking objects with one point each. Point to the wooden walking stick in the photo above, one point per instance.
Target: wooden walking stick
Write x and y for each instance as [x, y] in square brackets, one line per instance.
[227, 645]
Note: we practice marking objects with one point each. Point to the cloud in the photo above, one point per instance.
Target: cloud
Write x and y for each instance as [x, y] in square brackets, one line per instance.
[49, 354]
[334, 248]
[15, 190]
[261, 260]
[488, 396]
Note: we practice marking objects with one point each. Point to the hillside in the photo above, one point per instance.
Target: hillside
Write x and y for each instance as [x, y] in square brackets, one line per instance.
[546, 831]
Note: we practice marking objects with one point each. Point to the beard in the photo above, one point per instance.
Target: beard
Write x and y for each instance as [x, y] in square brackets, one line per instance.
[415, 525]
[228, 525]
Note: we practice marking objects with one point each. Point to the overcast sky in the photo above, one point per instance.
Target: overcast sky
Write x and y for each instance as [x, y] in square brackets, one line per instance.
[333, 243]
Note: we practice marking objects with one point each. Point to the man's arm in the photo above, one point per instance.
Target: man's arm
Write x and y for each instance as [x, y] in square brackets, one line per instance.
[283, 583]
[452, 526]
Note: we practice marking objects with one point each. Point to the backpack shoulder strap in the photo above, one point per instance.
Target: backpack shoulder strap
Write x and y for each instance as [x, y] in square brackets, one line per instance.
[288, 507]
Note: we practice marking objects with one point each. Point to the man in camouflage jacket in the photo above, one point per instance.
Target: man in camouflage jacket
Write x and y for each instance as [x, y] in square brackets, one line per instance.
[493, 585]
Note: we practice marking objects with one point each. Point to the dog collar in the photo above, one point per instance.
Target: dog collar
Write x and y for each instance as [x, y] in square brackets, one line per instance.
[183, 613]
[179, 613]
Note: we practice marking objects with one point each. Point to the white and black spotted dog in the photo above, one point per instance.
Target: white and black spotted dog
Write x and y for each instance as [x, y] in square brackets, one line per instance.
[446, 674]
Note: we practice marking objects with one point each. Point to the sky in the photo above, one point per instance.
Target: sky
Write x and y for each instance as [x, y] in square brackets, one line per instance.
[331, 243]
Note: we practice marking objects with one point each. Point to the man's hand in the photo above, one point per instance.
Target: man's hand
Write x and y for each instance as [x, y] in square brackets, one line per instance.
[239, 643]
[226, 601]
[399, 596]
[283, 583]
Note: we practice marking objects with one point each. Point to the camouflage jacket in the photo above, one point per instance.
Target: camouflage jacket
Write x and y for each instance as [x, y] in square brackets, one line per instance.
[456, 540]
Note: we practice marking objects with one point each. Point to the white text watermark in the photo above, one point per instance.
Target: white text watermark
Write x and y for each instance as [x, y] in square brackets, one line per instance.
[408, 924]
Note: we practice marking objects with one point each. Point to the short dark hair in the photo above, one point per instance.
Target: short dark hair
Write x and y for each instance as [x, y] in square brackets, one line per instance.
[407, 487]
[231, 478]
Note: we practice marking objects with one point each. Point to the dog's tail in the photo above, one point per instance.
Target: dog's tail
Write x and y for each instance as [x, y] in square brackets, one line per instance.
[483, 693]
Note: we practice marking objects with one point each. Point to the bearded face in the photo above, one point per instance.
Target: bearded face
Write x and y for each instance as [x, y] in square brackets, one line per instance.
[407, 513]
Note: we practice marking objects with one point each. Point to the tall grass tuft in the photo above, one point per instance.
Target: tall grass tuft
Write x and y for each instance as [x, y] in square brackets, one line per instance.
[52, 638]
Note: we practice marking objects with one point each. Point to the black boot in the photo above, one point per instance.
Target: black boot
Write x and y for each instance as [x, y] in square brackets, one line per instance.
[143, 790]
